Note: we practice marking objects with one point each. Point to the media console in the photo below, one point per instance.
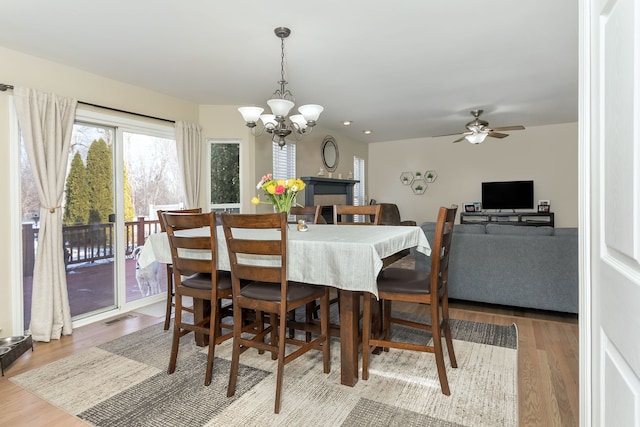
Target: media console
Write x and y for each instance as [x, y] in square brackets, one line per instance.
[535, 219]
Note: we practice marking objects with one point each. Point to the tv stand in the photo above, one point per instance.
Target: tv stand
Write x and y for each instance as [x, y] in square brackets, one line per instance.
[535, 219]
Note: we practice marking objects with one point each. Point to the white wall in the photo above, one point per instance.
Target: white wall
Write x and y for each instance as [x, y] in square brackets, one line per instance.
[548, 155]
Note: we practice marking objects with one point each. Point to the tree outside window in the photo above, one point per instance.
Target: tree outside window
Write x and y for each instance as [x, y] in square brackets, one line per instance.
[225, 176]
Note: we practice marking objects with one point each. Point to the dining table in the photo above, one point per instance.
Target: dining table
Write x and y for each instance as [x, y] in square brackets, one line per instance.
[346, 257]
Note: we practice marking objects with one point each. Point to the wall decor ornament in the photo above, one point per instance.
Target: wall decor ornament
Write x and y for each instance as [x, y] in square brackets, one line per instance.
[418, 186]
[430, 176]
[406, 178]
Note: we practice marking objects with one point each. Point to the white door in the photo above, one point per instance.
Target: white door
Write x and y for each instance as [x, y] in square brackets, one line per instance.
[610, 212]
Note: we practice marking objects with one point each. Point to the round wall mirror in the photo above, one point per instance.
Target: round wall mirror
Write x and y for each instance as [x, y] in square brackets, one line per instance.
[330, 155]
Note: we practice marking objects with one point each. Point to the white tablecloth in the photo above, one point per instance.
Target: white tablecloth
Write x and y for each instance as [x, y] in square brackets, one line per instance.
[344, 256]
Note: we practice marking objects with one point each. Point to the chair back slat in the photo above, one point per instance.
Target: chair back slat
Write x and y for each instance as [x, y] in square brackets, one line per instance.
[258, 274]
[159, 213]
[255, 247]
[342, 212]
[311, 213]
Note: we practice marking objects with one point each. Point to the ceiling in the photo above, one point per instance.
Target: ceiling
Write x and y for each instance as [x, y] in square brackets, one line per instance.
[403, 69]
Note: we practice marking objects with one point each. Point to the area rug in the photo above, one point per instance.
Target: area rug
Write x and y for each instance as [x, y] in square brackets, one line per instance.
[124, 383]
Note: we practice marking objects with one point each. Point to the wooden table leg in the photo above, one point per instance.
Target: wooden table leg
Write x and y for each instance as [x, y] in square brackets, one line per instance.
[349, 316]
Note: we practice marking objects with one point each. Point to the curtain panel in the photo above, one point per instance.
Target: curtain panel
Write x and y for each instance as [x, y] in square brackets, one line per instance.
[46, 122]
[191, 154]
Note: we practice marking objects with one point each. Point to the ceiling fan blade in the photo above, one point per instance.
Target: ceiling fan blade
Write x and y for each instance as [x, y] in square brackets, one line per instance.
[459, 139]
[447, 134]
[498, 135]
[503, 128]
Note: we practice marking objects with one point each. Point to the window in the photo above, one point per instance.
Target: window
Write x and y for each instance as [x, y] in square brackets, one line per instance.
[225, 175]
[284, 160]
[359, 196]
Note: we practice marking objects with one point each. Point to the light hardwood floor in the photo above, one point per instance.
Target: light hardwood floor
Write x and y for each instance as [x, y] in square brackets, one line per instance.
[547, 365]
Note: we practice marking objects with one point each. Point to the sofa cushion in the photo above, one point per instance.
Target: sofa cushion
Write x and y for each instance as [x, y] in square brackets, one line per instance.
[469, 229]
[566, 232]
[518, 230]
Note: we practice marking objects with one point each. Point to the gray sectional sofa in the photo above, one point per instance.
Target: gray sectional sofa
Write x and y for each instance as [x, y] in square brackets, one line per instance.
[522, 266]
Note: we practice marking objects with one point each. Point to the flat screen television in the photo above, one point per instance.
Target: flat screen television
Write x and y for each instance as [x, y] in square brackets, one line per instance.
[507, 195]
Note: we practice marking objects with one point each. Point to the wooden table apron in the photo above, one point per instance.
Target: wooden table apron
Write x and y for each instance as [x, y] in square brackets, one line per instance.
[345, 257]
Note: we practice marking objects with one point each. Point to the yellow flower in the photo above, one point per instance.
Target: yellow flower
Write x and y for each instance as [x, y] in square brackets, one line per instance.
[270, 188]
[255, 200]
[300, 184]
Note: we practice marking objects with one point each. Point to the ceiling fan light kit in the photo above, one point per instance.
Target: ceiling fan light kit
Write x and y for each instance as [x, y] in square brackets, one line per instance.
[476, 138]
[281, 103]
[478, 130]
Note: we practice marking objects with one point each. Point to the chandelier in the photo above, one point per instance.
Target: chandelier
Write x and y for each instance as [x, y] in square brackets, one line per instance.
[281, 102]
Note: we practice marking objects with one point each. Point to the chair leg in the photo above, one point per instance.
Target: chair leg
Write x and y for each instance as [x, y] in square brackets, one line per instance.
[176, 335]
[366, 335]
[447, 330]
[437, 348]
[281, 349]
[260, 326]
[167, 316]
[235, 354]
[292, 317]
[309, 311]
[214, 332]
[324, 330]
[386, 321]
[275, 332]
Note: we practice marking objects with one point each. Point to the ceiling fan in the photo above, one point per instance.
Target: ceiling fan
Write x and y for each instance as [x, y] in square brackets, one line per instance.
[478, 130]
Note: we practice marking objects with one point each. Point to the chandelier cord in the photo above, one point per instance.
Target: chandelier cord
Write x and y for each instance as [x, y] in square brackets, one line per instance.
[282, 82]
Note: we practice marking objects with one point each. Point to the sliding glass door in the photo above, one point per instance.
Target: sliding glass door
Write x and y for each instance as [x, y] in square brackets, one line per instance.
[151, 182]
[119, 173]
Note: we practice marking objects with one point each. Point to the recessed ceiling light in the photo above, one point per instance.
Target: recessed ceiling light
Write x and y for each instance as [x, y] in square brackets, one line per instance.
[347, 122]
[367, 132]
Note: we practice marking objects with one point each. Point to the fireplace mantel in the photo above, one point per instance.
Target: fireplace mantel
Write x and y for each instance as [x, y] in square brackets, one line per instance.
[321, 186]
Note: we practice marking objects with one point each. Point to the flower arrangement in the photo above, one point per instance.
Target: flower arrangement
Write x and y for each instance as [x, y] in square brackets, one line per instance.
[281, 193]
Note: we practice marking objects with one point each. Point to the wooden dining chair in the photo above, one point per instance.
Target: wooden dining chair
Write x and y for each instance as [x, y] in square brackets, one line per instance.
[345, 214]
[170, 287]
[195, 275]
[311, 213]
[417, 286]
[267, 290]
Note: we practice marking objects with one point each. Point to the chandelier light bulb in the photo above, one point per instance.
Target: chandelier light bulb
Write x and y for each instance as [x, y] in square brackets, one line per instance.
[269, 120]
[299, 120]
[311, 112]
[280, 107]
[250, 114]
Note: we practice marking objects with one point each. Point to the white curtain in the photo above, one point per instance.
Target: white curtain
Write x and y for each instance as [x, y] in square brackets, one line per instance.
[46, 123]
[191, 154]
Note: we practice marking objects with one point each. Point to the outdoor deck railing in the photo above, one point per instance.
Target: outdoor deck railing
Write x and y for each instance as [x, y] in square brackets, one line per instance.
[88, 243]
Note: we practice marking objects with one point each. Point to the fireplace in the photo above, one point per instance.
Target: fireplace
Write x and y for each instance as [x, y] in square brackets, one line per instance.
[328, 191]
